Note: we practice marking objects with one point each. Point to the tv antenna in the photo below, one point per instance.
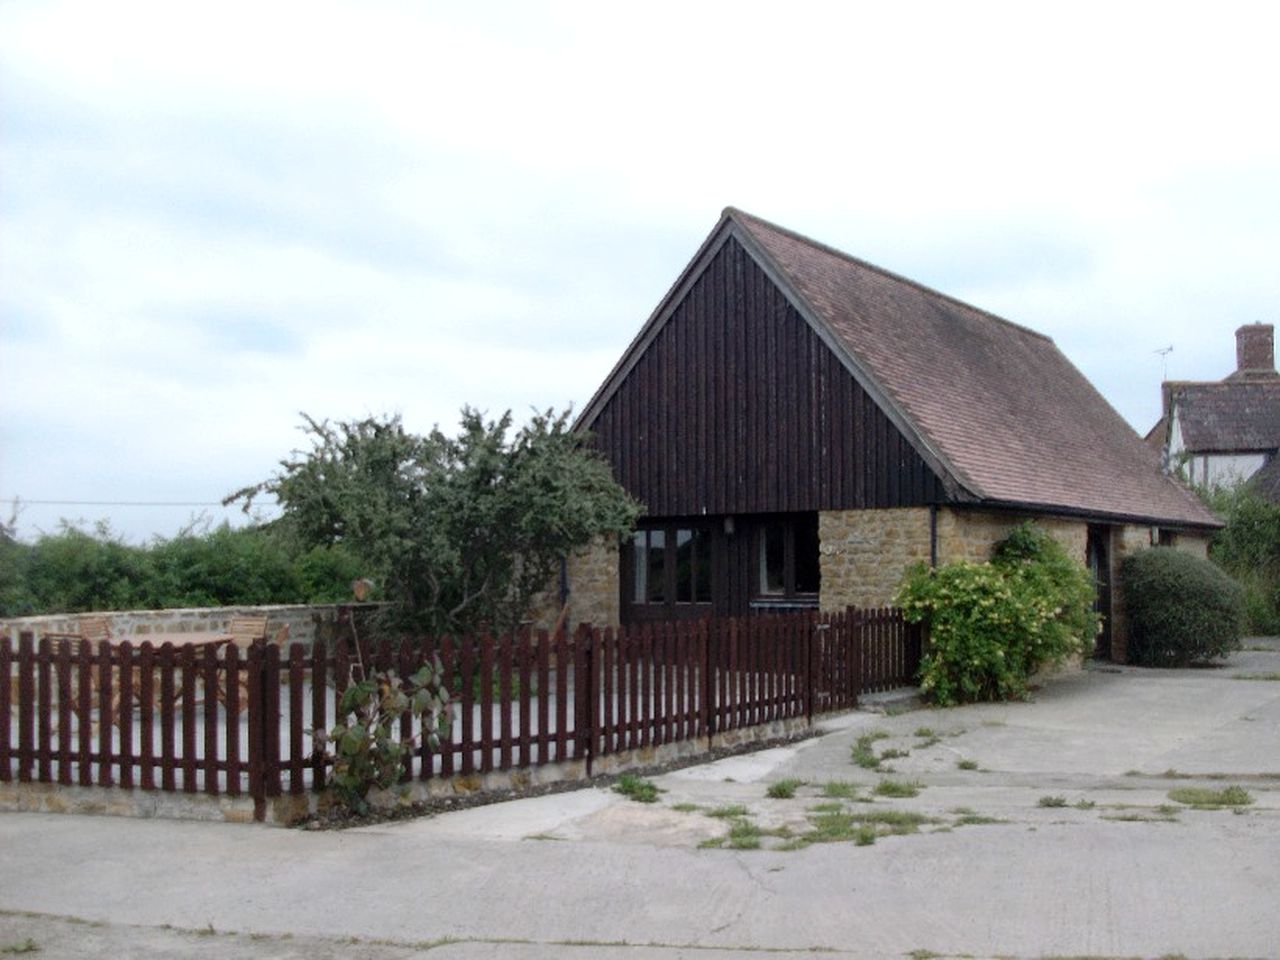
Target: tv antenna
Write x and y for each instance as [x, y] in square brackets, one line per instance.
[1164, 361]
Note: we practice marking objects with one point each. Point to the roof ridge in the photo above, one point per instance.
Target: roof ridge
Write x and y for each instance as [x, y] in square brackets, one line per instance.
[1225, 384]
[735, 212]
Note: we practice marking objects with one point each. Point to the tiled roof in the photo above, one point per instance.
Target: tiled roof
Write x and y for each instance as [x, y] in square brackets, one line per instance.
[1234, 415]
[997, 405]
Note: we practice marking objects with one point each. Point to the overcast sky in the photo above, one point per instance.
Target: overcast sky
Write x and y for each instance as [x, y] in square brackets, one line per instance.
[214, 216]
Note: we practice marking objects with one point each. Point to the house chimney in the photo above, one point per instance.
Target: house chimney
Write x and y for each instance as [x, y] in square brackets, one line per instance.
[1255, 348]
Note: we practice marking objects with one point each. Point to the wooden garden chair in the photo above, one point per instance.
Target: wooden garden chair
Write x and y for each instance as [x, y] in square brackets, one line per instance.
[95, 630]
[245, 632]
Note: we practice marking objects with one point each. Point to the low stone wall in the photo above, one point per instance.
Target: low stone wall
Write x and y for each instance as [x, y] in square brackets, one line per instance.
[286, 810]
[307, 623]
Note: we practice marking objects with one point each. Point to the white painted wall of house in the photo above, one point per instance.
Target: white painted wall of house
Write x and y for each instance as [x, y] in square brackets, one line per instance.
[1210, 469]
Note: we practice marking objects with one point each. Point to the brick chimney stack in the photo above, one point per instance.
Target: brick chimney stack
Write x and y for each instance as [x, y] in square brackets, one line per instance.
[1255, 348]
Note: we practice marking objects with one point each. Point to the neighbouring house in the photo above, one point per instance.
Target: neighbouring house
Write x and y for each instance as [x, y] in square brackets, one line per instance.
[801, 426]
[1224, 432]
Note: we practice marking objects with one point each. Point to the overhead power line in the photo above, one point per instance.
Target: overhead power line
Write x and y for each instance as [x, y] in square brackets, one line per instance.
[112, 503]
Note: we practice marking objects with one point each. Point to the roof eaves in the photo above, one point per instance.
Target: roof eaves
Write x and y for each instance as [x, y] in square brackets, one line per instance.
[1103, 517]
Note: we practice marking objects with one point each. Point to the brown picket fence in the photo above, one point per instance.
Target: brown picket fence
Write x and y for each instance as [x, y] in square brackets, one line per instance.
[190, 720]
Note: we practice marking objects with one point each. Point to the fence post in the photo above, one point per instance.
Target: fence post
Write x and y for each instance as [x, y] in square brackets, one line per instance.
[708, 682]
[584, 694]
[253, 682]
[595, 665]
[857, 644]
[812, 644]
[263, 675]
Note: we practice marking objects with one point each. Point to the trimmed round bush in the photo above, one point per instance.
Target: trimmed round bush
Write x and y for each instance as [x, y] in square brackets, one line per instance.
[1181, 609]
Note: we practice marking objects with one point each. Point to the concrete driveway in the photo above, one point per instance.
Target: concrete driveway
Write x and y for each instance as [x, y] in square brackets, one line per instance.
[1037, 829]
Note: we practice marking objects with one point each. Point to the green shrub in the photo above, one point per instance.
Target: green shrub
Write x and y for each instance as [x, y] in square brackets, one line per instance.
[1248, 548]
[991, 625]
[75, 570]
[225, 566]
[1181, 609]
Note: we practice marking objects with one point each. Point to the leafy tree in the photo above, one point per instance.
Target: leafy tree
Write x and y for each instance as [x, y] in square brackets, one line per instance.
[460, 533]
[326, 574]
[1248, 548]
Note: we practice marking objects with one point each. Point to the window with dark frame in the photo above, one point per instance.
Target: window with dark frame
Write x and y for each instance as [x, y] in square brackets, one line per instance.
[671, 566]
[787, 567]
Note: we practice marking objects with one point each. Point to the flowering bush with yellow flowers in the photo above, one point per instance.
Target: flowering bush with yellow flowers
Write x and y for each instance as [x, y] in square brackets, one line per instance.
[992, 625]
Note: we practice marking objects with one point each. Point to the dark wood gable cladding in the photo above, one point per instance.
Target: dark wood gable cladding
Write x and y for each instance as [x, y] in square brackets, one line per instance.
[737, 406]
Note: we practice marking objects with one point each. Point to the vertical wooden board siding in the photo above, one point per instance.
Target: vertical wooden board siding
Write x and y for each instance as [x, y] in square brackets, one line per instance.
[738, 406]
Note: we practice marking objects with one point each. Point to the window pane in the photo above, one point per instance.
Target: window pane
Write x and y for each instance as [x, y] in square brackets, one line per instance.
[808, 567]
[657, 556]
[773, 560]
[639, 567]
[701, 566]
[684, 566]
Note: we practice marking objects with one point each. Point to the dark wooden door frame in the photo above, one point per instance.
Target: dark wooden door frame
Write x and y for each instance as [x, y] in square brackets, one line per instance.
[1098, 559]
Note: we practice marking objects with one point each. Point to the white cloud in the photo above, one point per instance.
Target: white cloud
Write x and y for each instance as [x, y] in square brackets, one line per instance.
[213, 217]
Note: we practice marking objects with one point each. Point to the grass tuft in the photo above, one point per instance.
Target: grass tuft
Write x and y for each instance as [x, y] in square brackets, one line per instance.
[637, 788]
[1049, 801]
[744, 835]
[966, 764]
[728, 812]
[976, 819]
[863, 755]
[785, 789]
[897, 788]
[1206, 798]
[840, 790]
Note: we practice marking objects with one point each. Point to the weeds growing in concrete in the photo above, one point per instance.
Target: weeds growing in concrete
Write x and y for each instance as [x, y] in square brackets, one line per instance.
[840, 789]
[863, 754]
[785, 789]
[637, 788]
[1206, 798]
[728, 812]
[897, 788]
